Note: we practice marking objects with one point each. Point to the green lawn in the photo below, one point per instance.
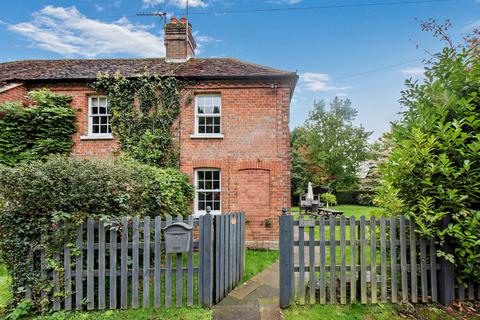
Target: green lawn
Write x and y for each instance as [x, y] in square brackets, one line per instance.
[349, 210]
[377, 312]
[255, 262]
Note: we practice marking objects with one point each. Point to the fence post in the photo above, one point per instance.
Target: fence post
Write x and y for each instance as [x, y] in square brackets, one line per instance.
[446, 276]
[206, 247]
[286, 259]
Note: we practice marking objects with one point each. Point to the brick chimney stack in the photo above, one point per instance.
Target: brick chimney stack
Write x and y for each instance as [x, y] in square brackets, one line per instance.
[179, 40]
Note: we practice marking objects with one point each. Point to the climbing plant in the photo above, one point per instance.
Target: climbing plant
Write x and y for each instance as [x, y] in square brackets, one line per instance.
[143, 111]
[32, 132]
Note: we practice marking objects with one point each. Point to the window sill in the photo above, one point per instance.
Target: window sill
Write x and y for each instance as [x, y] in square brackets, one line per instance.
[206, 136]
[97, 137]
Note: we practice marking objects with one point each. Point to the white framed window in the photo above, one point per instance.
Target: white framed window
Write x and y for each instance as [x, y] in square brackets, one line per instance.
[208, 109]
[207, 191]
[98, 117]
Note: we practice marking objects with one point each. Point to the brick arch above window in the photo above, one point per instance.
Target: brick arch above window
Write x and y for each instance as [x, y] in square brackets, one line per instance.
[208, 163]
[253, 165]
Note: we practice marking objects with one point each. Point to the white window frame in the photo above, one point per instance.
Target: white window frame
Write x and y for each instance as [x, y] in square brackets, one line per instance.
[197, 134]
[197, 190]
[90, 120]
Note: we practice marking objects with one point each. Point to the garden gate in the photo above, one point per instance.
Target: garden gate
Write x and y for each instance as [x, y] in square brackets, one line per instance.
[89, 276]
[347, 260]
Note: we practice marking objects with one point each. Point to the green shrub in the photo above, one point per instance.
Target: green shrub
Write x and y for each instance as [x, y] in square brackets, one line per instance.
[30, 133]
[329, 199]
[434, 170]
[40, 196]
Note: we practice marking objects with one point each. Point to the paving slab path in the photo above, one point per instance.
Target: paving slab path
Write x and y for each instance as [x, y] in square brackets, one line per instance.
[256, 299]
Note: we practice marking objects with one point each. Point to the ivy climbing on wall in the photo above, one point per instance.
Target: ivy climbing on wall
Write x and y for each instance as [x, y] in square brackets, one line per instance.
[143, 111]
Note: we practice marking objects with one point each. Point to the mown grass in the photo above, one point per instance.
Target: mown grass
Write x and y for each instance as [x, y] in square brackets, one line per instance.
[353, 210]
[377, 312]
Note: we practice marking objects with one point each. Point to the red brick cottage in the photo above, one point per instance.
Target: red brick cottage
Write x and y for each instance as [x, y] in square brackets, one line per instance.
[234, 135]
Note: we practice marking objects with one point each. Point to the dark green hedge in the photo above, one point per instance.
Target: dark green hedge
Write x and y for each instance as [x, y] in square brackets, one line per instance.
[30, 133]
[38, 197]
[354, 197]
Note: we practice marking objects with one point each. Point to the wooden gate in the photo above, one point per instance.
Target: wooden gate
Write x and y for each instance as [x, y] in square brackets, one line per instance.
[125, 265]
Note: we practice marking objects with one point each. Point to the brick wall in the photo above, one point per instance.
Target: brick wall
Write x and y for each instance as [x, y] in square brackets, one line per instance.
[13, 93]
[254, 154]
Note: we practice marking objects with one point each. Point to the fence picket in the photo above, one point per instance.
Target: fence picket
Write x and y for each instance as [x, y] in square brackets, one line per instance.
[423, 268]
[363, 262]
[333, 263]
[146, 262]
[373, 258]
[190, 268]
[124, 264]
[68, 277]
[113, 269]
[79, 269]
[230, 253]
[179, 276]
[393, 258]
[383, 259]
[301, 261]
[157, 296]
[413, 261]
[323, 273]
[101, 265]
[168, 273]
[343, 263]
[135, 263]
[311, 264]
[90, 266]
[433, 271]
[353, 260]
[56, 284]
[403, 259]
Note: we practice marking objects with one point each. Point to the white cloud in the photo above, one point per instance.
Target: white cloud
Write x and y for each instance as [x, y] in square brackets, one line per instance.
[175, 3]
[413, 71]
[70, 33]
[469, 27]
[319, 82]
[341, 94]
[98, 7]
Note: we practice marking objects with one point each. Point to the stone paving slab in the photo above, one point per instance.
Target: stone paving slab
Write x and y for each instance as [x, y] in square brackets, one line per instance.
[257, 299]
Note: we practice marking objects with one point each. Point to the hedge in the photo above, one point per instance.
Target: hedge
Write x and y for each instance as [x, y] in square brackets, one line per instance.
[356, 197]
[38, 197]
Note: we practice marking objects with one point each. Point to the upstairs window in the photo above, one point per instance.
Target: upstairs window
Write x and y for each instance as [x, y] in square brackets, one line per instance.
[98, 117]
[207, 191]
[208, 115]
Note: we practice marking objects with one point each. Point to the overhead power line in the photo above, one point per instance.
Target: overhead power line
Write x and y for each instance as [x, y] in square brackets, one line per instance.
[376, 69]
[298, 8]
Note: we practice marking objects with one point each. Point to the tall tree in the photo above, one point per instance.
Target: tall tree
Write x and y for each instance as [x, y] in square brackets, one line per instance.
[329, 148]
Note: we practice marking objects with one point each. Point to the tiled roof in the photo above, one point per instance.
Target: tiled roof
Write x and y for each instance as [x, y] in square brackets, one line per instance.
[29, 70]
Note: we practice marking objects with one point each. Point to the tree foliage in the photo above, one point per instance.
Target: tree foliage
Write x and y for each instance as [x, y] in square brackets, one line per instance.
[143, 111]
[434, 169]
[30, 133]
[328, 148]
[42, 202]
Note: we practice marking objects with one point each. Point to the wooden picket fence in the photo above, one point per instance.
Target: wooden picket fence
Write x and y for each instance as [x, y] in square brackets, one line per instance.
[95, 279]
[348, 260]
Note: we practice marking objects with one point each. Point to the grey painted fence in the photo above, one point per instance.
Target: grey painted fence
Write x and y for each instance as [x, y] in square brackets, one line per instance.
[126, 266]
[348, 260]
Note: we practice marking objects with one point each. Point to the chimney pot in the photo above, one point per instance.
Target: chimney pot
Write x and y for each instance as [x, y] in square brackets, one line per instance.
[183, 20]
[173, 20]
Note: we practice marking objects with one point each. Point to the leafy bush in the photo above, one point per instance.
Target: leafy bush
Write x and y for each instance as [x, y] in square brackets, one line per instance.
[354, 197]
[40, 196]
[365, 199]
[434, 168]
[329, 199]
[29, 133]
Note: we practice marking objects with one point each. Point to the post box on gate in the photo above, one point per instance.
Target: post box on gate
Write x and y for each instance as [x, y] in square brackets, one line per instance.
[177, 237]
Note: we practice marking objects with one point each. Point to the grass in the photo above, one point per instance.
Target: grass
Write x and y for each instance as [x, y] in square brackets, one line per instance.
[255, 262]
[353, 210]
[379, 312]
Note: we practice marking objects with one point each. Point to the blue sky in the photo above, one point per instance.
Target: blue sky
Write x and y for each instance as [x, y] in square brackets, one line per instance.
[327, 47]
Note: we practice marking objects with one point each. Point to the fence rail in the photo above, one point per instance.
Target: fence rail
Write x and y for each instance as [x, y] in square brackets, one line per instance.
[348, 260]
[126, 266]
